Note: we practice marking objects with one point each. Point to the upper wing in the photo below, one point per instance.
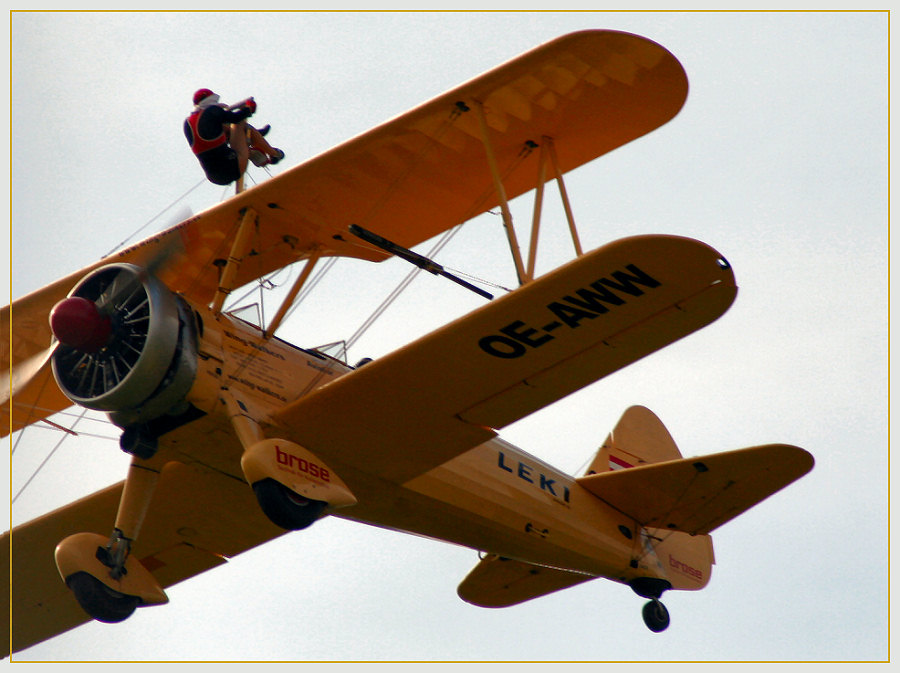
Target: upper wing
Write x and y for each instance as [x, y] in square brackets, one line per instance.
[697, 495]
[426, 170]
[197, 520]
[412, 177]
[418, 407]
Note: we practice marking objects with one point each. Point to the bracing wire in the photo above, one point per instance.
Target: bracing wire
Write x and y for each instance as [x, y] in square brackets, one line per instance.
[478, 279]
[47, 458]
[154, 218]
[379, 203]
[473, 209]
[400, 288]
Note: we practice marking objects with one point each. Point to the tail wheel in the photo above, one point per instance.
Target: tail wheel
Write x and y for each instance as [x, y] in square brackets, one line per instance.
[99, 601]
[285, 508]
[656, 616]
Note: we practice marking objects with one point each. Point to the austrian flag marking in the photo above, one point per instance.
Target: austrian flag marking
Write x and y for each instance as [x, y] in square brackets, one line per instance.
[618, 464]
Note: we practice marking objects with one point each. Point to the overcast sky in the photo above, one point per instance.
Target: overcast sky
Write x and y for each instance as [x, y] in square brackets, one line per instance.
[778, 160]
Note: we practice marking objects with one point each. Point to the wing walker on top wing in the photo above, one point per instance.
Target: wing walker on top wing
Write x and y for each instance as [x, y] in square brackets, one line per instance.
[222, 140]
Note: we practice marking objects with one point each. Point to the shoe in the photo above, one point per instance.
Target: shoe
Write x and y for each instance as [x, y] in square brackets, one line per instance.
[277, 157]
[264, 130]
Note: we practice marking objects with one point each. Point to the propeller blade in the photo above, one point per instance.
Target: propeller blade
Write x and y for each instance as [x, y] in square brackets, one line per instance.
[29, 393]
[124, 285]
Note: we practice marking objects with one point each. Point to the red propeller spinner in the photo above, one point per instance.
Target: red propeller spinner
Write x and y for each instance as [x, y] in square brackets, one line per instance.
[78, 323]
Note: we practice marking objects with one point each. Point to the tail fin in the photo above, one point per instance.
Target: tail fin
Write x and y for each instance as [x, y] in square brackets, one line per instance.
[639, 438]
[677, 559]
[676, 502]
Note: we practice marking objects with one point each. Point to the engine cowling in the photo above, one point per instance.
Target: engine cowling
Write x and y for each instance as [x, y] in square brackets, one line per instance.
[127, 345]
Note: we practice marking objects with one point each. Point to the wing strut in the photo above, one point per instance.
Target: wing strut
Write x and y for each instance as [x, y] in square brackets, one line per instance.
[238, 250]
[538, 204]
[548, 152]
[501, 194]
[295, 289]
[564, 195]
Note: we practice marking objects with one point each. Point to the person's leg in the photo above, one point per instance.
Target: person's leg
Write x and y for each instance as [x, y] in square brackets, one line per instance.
[238, 141]
[258, 142]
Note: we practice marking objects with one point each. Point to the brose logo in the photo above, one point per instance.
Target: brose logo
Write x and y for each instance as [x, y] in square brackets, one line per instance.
[296, 465]
[683, 567]
[569, 311]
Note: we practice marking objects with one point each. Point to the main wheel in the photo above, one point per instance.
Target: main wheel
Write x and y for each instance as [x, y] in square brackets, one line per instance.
[99, 601]
[285, 508]
[656, 616]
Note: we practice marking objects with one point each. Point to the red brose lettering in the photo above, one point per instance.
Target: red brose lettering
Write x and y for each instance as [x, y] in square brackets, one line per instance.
[685, 568]
[292, 462]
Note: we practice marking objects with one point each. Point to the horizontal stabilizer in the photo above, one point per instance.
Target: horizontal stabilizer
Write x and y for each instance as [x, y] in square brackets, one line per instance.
[697, 495]
[498, 582]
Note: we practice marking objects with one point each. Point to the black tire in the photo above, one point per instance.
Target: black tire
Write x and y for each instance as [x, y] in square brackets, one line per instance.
[656, 616]
[285, 508]
[99, 601]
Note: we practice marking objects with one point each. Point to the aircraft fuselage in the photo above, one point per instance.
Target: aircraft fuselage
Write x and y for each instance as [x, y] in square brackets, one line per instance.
[494, 498]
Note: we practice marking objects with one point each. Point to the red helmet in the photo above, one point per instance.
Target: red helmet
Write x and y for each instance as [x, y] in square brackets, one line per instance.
[200, 94]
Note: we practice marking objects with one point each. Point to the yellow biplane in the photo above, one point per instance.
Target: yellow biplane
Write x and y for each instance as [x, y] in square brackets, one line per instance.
[237, 436]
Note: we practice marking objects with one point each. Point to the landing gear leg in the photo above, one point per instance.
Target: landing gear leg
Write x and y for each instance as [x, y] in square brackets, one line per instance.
[139, 486]
[107, 583]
